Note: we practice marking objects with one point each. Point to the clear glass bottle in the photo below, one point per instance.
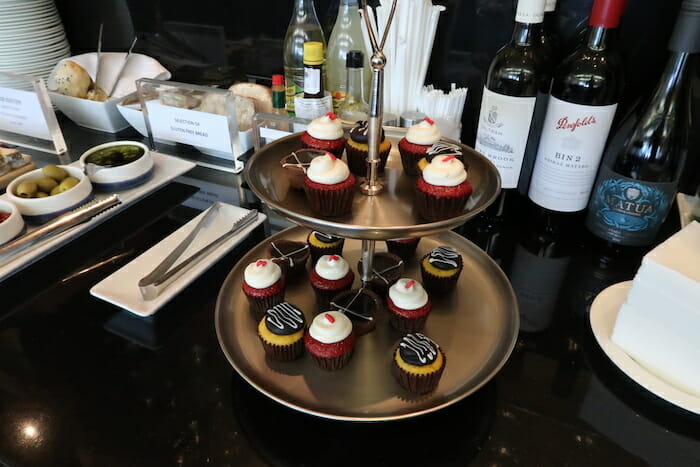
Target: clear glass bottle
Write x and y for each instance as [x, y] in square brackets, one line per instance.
[346, 36]
[303, 27]
[354, 107]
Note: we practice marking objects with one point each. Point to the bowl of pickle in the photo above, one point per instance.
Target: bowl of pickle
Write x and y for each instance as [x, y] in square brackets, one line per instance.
[11, 222]
[42, 194]
[118, 165]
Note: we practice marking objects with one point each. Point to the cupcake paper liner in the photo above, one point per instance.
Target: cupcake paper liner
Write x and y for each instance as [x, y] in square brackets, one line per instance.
[283, 353]
[419, 384]
[436, 284]
[357, 160]
[434, 208]
[407, 325]
[259, 305]
[334, 363]
[330, 202]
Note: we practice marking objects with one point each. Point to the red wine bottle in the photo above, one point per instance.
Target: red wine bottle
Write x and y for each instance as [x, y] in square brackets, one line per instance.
[636, 185]
[585, 91]
[515, 76]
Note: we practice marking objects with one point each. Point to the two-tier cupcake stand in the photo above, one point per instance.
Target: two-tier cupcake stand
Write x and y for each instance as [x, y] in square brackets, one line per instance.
[476, 325]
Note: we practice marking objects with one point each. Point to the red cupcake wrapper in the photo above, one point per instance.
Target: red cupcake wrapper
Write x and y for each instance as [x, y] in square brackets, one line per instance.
[330, 200]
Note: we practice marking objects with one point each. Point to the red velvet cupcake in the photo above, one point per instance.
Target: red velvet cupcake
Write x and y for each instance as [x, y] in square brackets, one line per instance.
[443, 189]
[409, 305]
[263, 285]
[330, 340]
[329, 186]
[325, 133]
[331, 275]
[414, 146]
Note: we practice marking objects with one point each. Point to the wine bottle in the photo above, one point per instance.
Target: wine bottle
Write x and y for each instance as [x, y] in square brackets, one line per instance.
[303, 27]
[515, 76]
[549, 39]
[636, 185]
[585, 91]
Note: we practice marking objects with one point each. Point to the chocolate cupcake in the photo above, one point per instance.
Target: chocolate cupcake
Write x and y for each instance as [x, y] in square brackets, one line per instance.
[443, 189]
[360, 306]
[357, 150]
[329, 186]
[405, 248]
[281, 332]
[324, 244]
[386, 270]
[290, 256]
[440, 269]
[418, 363]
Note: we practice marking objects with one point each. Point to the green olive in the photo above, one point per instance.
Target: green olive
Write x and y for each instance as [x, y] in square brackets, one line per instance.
[46, 184]
[41, 194]
[67, 184]
[26, 190]
[56, 190]
[55, 172]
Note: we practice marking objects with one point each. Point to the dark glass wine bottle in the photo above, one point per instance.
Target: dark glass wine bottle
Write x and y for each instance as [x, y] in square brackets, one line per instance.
[549, 38]
[514, 78]
[636, 185]
[585, 90]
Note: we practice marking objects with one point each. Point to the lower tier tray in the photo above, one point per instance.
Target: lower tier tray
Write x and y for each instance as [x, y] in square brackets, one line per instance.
[476, 326]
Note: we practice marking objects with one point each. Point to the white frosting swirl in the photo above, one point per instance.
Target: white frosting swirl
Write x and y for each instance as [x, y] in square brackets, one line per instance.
[408, 294]
[330, 327]
[325, 128]
[327, 170]
[445, 171]
[262, 273]
[423, 133]
[332, 267]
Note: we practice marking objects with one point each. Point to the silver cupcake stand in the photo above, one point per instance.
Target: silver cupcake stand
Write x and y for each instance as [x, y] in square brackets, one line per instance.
[476, 325]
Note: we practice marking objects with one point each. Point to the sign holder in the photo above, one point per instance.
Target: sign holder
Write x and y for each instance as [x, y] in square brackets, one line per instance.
[27, 117]
[202, 117]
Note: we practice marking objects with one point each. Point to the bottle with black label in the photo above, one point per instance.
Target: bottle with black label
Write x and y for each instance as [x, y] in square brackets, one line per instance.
[585, 91]
[636, 186]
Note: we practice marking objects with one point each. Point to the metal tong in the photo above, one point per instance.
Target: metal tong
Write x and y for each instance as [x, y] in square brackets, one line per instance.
[121, 68]
[162, 276]
[58, 225]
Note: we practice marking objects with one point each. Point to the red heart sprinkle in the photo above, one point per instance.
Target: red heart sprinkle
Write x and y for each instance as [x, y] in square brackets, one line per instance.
[332, 156]
[449, 158]
[329, 317]
[331, 115]
[409, 284]
[261, 262]
[429, 120]
[333, 258]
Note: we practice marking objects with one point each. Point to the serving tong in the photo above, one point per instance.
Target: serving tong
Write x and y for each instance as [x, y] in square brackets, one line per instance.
[152, 284]
[122, 66]
[56, 226]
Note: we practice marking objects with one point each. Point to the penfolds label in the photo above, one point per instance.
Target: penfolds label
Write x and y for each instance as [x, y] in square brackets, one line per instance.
[572, 143]
[504, 125]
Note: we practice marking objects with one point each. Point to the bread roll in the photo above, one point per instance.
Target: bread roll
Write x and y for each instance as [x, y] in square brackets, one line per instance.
[261, 95]
[72, 80]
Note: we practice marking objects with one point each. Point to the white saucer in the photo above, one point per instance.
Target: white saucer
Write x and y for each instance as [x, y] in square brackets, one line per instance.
[121, 288]
[603, 316]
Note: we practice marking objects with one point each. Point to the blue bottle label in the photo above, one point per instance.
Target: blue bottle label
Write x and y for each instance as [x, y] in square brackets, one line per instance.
[627, 211]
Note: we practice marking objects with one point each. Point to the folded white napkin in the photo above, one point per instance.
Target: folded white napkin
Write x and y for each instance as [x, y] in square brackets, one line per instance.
[138, 66]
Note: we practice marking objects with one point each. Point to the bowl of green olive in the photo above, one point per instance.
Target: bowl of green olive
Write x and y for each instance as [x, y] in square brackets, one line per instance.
[118, 165]
[11, 222]
[42, 194]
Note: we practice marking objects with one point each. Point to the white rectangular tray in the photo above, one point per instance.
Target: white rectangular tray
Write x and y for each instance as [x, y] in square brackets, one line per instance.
[121, 288]
[166, 169]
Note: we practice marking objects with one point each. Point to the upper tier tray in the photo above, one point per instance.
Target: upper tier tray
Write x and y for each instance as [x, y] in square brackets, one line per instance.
[389, 215]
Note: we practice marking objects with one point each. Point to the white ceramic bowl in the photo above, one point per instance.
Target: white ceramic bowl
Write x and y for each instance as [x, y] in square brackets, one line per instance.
[121, 177]
[42, 210]
[133, 115]
[102, 116]
[13, 225]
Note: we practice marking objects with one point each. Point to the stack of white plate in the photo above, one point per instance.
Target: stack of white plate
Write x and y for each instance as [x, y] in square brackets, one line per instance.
[32, 39]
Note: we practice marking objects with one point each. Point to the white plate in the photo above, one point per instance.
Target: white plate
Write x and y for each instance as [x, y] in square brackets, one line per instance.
[603, 316]
[166, 169]
[121, 288]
